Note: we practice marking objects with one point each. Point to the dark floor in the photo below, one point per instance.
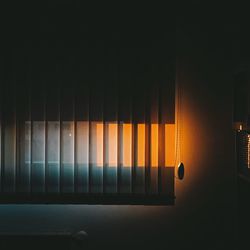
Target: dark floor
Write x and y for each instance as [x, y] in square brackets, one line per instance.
[34, 242]
[41, 242]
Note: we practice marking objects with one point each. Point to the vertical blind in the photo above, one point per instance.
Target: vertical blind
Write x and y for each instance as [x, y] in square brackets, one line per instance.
[79, 139]
[90, 117]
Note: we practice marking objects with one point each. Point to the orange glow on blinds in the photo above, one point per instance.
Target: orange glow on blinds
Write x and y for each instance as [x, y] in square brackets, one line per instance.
[112, 144]
[154, 145]
[169, 145]
[127, 145]
[99, 144]
[141, 145]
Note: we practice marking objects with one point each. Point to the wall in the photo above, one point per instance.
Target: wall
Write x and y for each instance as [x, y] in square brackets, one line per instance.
[204, 214]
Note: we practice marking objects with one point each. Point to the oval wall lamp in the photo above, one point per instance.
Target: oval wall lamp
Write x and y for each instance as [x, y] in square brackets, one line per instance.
[181, 171]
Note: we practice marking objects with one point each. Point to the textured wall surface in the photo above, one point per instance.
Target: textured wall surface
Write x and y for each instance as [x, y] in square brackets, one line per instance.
[204, 214]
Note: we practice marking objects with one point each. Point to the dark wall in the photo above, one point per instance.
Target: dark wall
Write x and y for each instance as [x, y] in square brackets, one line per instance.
[204, 216]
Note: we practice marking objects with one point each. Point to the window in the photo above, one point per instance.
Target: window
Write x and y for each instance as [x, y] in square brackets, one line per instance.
[87, 146]
[87, 113]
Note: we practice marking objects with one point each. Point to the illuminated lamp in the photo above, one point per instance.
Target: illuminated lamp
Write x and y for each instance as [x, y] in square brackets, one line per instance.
[241, 122]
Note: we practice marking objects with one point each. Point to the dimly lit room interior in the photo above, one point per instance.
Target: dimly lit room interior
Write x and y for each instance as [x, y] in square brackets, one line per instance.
[124, 127]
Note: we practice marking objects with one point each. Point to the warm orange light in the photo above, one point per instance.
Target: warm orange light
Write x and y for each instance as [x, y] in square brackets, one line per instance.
[169, 145]
[99, 144]
[154, 145]
[127, 145]
[112, 144]
[141, 145]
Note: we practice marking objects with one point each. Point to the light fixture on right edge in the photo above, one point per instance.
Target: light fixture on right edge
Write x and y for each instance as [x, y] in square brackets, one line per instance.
[241, 121]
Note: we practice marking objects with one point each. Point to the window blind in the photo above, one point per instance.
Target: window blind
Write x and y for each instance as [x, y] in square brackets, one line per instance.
[87, 112]
[78, 140]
